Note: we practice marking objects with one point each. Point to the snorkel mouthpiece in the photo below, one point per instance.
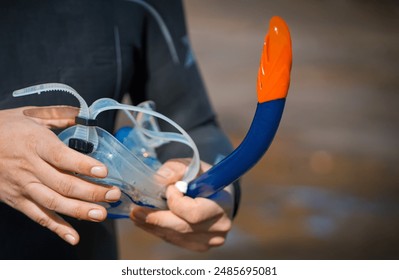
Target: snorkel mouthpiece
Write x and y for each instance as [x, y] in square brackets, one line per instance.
[272, 88]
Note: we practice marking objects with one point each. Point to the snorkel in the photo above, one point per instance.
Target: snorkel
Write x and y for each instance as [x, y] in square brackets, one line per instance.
[131, 158]
[272, 88]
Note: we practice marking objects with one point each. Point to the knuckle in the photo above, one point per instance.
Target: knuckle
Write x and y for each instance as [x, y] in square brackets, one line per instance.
[172, 202]
[81, 167]
[78, 213]
[44, 221]
[11, 201]
[24, 165]
[51, 202]
[32, 141]
[194, 218]
[15, 202]
[92, 196]
[225, 226]
[184, 228]
[153, 220]
[57, 155]
[65, 187]
[26, 189]
[95, 195]
[53, 227]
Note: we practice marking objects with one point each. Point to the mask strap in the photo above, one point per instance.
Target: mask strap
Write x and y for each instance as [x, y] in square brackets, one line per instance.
[105, 104]
[144, 121]
[83, 132]
[165, 137]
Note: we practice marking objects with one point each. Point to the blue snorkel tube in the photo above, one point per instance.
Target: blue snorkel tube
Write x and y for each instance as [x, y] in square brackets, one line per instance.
[272, 88]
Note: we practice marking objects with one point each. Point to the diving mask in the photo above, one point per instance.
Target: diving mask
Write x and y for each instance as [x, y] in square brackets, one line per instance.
[132, 162]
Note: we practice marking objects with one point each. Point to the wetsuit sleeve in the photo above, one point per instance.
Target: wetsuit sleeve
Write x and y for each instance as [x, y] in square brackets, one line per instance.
[173, 81]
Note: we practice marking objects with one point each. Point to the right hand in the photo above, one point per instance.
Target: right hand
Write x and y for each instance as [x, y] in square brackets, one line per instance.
[36, 171]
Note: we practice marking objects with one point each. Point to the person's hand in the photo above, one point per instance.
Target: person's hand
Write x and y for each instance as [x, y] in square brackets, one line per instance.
[196, 224]
[36, 171]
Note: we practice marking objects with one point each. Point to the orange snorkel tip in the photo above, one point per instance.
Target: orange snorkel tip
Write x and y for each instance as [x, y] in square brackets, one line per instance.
[275, 63]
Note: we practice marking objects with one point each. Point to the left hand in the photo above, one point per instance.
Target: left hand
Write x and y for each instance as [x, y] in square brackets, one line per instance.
[196, 224]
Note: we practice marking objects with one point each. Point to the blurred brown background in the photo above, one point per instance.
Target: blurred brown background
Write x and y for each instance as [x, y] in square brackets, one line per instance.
[329, 186]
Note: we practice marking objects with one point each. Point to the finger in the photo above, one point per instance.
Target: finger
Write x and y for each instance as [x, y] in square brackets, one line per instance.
[192, 210]
[199, 242]
[52, 124]
[168, 220]
[73, 187]
[50, 220]
[162, 219]
[71, 207]
[51, 112]
[59, 155]
[53, 116]
[225, 199]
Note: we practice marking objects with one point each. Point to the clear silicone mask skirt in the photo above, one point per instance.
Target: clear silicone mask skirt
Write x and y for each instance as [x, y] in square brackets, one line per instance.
[132, 160]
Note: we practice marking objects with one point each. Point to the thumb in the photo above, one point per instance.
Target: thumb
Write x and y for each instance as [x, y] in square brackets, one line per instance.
[172, 171]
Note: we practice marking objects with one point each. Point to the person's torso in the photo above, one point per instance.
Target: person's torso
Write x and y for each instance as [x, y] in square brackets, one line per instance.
[91, 46]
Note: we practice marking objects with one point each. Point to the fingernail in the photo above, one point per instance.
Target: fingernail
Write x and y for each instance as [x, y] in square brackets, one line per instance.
[70, 239]
[165, 172]
[96, 214]
[99, 171]
[113, 195]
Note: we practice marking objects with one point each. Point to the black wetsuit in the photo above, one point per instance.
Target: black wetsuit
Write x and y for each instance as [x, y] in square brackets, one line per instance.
[101, 48]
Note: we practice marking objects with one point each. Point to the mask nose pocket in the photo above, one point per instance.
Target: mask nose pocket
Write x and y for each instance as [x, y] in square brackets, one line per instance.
[139, 184]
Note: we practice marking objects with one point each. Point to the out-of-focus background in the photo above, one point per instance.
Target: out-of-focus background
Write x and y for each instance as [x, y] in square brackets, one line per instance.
[329, 186]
